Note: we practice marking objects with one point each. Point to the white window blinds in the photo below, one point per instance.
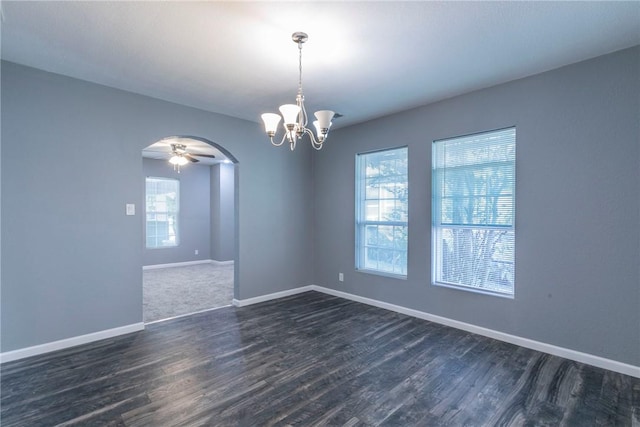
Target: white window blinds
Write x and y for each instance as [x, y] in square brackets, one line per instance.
[474, 211]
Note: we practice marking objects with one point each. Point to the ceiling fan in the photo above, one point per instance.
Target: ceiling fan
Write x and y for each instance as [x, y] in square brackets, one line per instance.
[180, 156]
[180, 151]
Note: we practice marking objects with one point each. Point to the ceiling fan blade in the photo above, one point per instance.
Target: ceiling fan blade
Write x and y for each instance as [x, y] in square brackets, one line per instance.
[191, 159]
[211, 156]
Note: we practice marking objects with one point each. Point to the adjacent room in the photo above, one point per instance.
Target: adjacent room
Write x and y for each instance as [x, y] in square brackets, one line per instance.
[430, 213]
[189, 228]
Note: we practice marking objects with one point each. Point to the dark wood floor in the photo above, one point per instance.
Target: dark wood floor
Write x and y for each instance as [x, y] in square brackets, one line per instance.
[308, 360]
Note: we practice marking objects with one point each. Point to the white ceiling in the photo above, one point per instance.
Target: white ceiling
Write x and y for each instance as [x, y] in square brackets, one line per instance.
[363, 59]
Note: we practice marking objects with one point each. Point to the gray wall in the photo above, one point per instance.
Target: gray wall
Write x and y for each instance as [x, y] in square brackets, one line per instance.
[71, 259]
[195, 212]
[578, 206]
[222, 212]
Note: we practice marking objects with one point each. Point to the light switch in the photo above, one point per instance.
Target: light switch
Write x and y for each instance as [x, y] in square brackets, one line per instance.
[131, 209]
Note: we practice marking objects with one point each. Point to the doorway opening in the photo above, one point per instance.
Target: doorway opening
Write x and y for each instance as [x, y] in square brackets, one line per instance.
[190, 227]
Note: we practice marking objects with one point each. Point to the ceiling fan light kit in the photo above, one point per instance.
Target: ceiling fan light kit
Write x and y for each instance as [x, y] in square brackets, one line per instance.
[178, 160]
[180, 156]
[295, 115]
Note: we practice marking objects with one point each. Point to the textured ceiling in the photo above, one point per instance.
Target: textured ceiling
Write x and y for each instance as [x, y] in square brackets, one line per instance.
[363, 59]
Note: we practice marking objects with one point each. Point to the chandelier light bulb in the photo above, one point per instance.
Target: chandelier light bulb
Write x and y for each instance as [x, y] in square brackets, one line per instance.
[290, 113]
[316, 124]
[324, 118]
[271, 121]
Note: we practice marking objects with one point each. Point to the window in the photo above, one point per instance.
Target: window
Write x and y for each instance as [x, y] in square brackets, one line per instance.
[163, 206]
[382, 192]
[473, 236]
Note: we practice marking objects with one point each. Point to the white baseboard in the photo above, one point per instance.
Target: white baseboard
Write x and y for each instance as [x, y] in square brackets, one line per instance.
[187, 314]
[221, 263]
[187, 263]
[177, 264]
[269, 297]
[10, 356]
[566, 353]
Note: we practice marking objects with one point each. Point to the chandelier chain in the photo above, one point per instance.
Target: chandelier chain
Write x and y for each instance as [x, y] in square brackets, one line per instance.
[300, 67]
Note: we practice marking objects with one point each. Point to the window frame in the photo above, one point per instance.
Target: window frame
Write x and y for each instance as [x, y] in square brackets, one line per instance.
[361, 223]
[438, 227]
[175, 213]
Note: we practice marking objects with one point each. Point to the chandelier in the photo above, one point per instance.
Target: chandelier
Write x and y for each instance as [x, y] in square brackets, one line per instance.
[295, 115]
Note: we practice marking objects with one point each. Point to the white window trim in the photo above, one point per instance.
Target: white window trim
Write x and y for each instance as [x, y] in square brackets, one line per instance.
[177, 230]
[361, 225]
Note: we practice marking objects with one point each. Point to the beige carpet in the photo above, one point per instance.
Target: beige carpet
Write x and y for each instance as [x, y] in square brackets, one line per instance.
[175, 291]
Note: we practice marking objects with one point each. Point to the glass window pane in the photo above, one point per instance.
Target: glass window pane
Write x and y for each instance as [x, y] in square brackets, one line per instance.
[373, 190]
[372, 210]
[371, 258]
[371, 233]
[400, 237]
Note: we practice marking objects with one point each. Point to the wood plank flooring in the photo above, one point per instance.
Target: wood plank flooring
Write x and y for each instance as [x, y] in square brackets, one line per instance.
[310, 360]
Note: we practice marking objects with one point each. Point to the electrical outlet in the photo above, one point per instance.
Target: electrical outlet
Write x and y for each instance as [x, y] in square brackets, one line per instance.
[341, 277]
[196, 252]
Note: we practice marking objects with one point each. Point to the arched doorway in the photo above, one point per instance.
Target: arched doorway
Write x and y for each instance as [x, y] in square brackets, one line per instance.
[190, 227]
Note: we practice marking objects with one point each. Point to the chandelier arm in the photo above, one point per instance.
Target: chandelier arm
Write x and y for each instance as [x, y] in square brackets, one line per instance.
[314, 143]
[278, 144]
[303, 113]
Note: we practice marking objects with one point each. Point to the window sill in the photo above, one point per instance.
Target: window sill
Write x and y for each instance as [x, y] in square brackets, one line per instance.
[474, 290]
[382, 273]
